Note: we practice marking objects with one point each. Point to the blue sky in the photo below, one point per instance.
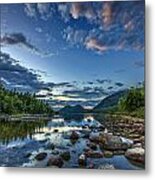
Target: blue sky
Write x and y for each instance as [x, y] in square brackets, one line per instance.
[79, 52]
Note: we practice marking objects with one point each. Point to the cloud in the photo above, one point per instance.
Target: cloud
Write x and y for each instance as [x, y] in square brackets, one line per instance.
[107, 13]
[79, 9]
[63, 9]
[95, 44]
[139, 64]
[110, 87]
[87, 93]
[102, 81]
[20, 39]
[43, 11]
[119, 84]
[117, 26]
[30, 10]
[73, 36]
[17, 39]
[18, 76]
[129, 26]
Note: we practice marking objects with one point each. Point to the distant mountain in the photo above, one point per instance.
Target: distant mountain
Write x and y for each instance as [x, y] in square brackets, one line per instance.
[72, 109]
[110, 101]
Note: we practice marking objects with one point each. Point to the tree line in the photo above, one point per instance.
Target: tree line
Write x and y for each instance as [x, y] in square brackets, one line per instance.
[134, 102]
[13, 102]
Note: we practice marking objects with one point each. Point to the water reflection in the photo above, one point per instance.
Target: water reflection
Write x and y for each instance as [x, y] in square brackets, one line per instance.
[13, 131]
[19, 130]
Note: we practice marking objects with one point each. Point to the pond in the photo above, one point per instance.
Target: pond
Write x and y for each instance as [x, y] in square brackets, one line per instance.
[22, 141]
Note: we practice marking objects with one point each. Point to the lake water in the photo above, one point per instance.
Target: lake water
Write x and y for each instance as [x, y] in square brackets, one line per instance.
[21, 141]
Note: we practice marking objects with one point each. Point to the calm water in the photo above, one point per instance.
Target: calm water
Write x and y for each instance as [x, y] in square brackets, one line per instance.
[20, 142]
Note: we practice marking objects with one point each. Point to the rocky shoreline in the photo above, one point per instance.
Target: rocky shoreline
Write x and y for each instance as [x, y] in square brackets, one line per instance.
[89, 145]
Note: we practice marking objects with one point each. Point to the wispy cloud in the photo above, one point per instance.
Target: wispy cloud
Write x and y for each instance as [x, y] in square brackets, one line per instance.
[79, 9]
[95, 44]
[43, 11]
[106, 14]
[117, 26]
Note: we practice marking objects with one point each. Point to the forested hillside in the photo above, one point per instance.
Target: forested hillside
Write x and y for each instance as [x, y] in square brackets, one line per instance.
[12, 102]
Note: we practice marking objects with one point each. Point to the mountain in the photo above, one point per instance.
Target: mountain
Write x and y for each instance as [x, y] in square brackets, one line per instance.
[110, 101]
[72, 109]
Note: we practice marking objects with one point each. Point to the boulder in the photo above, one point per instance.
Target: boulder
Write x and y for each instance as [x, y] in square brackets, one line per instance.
[136, 154]
[111, 142]
[41, 156]
[55, 161]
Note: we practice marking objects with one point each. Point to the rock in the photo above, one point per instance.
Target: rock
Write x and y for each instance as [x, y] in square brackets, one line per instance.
[55, 152]
[56, 130]
[55, 161]
[74, 135]
[51, 146]
[137, 145]
[108, 154]
[94, 137]
[93, 146]
[136, 154]
[119, 152]
[111, 142]
[82, 160]
[93, 154]
[65, 155]
[101, 128]
[41, 156]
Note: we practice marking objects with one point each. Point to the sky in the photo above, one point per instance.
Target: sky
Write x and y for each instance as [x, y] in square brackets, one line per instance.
[72, 53]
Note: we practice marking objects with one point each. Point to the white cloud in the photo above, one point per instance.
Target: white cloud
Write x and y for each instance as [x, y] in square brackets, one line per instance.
[95, 44]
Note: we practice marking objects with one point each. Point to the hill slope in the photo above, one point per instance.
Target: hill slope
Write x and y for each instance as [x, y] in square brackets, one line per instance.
[110, 101]
[72, 109]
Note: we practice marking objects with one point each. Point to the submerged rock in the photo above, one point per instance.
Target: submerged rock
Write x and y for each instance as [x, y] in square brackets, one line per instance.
[136, 154]
[41, 156]
[55, 161]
